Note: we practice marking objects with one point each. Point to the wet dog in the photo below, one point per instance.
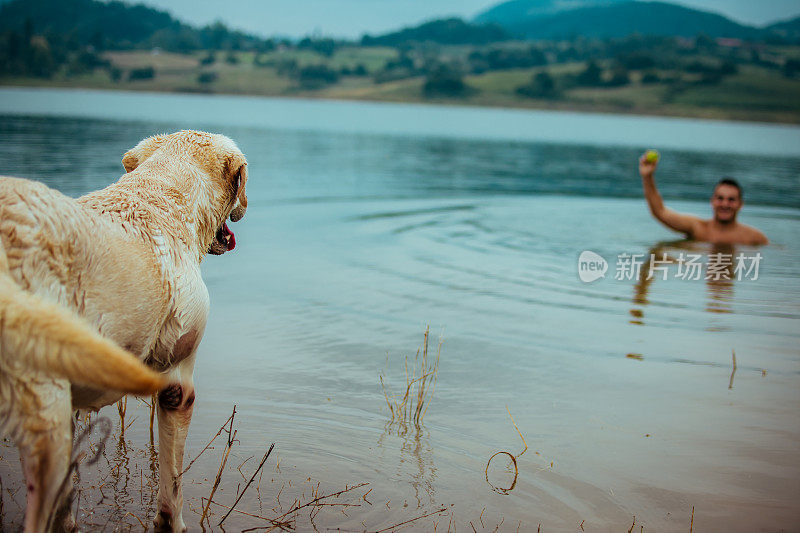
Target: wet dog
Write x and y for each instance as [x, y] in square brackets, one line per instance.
[102, 296]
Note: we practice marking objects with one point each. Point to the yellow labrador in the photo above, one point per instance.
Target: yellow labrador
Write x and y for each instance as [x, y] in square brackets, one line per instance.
[118, 268]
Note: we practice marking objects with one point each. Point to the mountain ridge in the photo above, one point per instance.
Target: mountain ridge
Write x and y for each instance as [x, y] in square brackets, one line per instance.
[548, 19]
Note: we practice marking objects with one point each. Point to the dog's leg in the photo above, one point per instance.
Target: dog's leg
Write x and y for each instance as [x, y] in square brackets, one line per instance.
[174, 414]
[45, 449]
[63, 520]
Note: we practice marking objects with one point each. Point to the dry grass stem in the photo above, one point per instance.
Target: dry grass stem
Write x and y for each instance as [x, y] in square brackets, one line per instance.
[152, 416]
[420, 386]
[263, 460]
[518, 432]
[391, 528]
[122, 408]
[225, 455]
[315, 501]
[221, 429]
[496, 529]
[282, 525]
[137, 518]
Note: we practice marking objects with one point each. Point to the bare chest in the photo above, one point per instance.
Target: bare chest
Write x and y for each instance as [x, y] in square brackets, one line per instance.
[709, 233]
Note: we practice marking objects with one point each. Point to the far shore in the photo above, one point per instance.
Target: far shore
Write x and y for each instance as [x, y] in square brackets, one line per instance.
[404, 93]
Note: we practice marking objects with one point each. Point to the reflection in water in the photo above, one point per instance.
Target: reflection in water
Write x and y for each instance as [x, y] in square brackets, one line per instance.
[114, 480]
[416, 458]
[122, 477]
[719, 274]
[720, 283]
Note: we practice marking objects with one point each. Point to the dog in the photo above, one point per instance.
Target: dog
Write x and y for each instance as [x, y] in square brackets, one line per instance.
[102, 296]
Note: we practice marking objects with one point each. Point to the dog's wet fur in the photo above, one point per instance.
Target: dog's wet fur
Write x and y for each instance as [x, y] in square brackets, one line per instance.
[81, 278]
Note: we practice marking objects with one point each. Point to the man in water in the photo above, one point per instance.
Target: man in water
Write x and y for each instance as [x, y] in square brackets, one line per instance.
[726, 203]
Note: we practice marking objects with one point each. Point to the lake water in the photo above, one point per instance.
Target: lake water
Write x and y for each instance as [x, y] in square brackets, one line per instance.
[368, 222]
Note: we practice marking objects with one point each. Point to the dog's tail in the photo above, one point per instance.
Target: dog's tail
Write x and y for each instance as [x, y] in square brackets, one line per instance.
[53, 340]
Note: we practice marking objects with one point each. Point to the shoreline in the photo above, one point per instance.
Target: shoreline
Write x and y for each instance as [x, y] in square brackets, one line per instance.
[710, 114]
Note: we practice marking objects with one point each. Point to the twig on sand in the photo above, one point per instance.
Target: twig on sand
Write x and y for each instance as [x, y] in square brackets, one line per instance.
[297, 507]
[280, 522]
[691, 523]
[497, 528]
[437, 511]
[733, 354]
[137, 518]
[513, 457]
[275, 523]
[264, 460]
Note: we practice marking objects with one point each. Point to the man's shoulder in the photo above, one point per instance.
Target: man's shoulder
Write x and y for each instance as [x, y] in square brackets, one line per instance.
[754, 236]
[701, 228]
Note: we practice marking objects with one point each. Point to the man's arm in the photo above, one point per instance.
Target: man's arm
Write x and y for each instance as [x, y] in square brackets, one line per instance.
[672, 219]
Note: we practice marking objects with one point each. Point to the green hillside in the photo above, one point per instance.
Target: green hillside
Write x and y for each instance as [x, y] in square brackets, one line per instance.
[506, 13]
[616, 19]
[442, 31]
[582, 59]
[787, 29]
[113, 25]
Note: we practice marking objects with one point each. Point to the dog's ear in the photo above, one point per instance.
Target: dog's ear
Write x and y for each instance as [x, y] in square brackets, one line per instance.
[136, 155]
[236, 178]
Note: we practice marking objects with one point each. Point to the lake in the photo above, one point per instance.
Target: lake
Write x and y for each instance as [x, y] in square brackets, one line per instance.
[369, 222]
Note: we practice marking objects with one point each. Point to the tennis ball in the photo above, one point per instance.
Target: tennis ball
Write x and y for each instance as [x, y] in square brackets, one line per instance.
[651, 156]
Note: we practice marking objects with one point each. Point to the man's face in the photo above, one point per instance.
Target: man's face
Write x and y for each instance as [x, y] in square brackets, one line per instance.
[726, 203]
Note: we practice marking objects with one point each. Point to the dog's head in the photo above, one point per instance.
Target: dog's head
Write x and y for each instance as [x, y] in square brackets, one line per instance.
[209, 172]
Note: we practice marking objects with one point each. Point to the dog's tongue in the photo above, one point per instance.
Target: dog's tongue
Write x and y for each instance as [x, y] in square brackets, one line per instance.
[227, 232]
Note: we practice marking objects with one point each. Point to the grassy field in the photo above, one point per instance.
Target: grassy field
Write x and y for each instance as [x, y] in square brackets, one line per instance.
[753, 93]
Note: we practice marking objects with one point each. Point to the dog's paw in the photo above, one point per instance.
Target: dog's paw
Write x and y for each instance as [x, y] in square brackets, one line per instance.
[166, 523]
[67, 524]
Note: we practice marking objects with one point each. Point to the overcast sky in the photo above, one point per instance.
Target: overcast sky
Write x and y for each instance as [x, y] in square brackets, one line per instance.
[353, 18]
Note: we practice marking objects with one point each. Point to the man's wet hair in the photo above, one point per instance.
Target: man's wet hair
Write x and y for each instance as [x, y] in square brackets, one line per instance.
[732, 182]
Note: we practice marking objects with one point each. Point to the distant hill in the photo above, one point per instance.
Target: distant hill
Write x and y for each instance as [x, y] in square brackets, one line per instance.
[117, 21]
[551, 19]
[787, 29]
[442, 31]
[115, 25]
[512, 11]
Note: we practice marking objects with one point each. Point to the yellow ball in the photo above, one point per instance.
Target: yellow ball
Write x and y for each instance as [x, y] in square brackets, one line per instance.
[651, 156]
